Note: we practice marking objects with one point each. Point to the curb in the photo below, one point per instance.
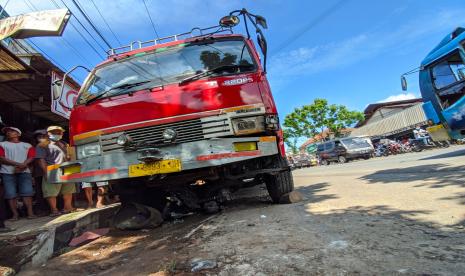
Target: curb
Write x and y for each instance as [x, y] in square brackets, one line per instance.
[34, 247]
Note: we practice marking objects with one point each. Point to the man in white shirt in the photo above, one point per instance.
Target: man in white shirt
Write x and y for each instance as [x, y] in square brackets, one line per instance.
[15, 158]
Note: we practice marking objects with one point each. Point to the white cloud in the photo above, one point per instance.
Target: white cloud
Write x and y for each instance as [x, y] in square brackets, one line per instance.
[340, 54]
[399, 97]
[304, 61]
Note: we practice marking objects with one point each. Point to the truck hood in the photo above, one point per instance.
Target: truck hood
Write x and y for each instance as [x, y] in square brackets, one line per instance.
[169, 101]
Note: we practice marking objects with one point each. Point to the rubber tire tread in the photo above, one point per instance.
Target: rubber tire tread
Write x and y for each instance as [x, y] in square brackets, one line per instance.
[279, 184]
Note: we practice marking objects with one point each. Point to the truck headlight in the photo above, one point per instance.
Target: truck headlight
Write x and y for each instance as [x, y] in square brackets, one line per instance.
[87, 150]
[248, 125]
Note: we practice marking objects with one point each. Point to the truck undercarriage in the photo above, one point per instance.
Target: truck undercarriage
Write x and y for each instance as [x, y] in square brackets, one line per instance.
[201, 188]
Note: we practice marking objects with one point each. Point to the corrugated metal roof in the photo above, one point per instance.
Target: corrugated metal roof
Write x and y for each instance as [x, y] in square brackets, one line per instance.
[9, 62]
[400, 122]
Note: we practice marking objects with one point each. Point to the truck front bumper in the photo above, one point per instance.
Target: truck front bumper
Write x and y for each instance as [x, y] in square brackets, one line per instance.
[193, 155]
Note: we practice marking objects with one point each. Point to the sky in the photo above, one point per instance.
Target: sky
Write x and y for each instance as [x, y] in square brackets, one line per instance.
[351, 52]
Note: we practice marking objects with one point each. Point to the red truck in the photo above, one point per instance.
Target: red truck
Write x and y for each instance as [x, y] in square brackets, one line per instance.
[189, 117]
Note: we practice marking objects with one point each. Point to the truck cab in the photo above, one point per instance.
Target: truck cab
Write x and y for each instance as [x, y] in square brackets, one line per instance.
[442, 83]
[190, 116]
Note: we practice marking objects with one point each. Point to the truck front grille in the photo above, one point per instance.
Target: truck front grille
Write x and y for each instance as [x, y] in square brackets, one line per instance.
[187, 131]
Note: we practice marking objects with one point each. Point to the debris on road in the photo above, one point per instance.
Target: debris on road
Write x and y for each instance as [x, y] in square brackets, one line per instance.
[292, 197]
[198, 265]
[338, 245]
[134, 216]
[88, 236]
[211, 207]
[7, 271]
[198, 227]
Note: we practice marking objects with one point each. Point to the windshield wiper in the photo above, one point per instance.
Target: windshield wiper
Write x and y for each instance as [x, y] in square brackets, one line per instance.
[214, 70]
[122, 86]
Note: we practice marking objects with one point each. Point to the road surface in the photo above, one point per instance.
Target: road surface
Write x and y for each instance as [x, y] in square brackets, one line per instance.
[396, 215]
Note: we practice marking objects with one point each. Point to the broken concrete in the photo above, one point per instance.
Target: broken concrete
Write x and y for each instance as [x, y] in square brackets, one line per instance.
[32, 245]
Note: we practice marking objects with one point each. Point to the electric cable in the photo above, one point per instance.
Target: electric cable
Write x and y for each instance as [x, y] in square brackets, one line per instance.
[106, 23]
[83, 37]
[312, 24]
[75, 2]
[30, 5]
[84, 27]
[4, 7]
[76, 52]
[46, 55]
[150, 17]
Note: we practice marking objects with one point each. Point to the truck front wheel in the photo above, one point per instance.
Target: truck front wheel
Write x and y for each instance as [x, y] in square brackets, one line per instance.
[279, 185]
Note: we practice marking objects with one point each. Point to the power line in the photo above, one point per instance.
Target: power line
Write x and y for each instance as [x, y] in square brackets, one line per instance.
[150, 17]
[91, 23]
[310, 25]
[4, 7]
[84, 27]
[83, 37]
[49, 57]
[30, 5]
[60, 66]
[76, 52]
[106, 23]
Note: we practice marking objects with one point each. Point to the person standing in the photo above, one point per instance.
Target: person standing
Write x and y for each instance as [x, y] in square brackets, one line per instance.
[40, 137]
[53, 153]
[101, 191]
[15, 158]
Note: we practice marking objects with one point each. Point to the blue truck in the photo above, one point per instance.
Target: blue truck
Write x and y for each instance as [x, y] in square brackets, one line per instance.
[442, 83]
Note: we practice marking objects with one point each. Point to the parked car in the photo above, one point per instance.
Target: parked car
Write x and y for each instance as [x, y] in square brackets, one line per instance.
[298, 161]
[344, 149]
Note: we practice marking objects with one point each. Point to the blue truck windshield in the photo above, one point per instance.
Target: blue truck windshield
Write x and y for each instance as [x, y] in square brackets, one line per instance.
[449, 71]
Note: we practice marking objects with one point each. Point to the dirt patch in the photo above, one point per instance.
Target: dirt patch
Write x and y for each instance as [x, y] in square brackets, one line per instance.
[256, 238]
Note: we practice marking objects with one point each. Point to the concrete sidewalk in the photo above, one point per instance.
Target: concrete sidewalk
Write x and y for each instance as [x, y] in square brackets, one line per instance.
[34, 241]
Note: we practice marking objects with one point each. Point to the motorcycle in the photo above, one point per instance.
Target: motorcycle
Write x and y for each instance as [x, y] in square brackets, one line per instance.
[420, 145]
[381, 150]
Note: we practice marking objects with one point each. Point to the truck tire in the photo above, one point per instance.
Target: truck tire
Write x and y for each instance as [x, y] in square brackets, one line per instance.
[324, 162]
[341, 159]
[279, 184]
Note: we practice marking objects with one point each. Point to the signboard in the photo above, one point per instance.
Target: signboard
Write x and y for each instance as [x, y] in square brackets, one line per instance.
[41, 23]
[63, 105]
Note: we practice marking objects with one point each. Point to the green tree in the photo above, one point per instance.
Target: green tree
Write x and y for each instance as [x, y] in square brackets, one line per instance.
[310, 120]
[290, 138]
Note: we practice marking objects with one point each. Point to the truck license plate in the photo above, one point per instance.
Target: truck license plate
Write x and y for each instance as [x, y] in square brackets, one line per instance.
[158, 167]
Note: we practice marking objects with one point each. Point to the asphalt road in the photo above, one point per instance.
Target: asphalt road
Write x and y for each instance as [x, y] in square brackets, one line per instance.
[428, 186]
[395, 215]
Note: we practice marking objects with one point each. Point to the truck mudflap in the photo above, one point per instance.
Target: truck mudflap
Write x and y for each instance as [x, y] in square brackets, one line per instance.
[163, 160]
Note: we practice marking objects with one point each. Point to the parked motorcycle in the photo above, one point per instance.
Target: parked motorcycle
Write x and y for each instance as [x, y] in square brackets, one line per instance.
[420, 145]
[381, 150]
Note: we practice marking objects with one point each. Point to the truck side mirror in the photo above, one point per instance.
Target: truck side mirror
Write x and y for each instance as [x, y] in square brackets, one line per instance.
[260, 20]
[229, 21]
[403, 82]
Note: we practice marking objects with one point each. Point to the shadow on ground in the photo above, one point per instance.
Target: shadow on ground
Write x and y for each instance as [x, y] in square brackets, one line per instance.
[446, 155]
[434, 175]
[311, 195]
[366, 240]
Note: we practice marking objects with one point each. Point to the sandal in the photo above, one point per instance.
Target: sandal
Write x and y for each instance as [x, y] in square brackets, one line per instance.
[55, 214]
[14, 219]
[31, 217]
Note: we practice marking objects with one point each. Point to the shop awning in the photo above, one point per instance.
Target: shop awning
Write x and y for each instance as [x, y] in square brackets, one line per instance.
[12, 67]
[25, 83]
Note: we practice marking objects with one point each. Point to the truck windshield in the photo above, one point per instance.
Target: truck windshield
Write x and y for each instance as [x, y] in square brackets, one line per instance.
[355, 143]
[449, 71]
[167, 65]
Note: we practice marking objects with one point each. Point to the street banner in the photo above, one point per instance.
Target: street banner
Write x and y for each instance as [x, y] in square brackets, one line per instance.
[41, 23]
[65, 102]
